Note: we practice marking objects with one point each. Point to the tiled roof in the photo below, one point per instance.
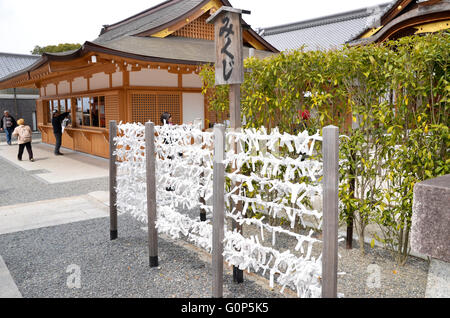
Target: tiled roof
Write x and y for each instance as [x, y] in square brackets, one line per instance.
[183, 50]
[11, 63]
[323, 33]
[149, 19]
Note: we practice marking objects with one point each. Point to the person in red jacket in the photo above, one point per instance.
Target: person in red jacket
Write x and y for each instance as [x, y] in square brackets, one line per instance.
[304, 115]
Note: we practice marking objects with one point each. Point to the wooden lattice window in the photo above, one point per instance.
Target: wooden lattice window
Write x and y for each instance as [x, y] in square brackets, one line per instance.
[112, 108]
[150, 106]
[143, 107]
[170, 103]
[197, 29]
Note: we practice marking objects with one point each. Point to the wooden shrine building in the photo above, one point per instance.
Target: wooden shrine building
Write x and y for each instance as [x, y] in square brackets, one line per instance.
[135, 70]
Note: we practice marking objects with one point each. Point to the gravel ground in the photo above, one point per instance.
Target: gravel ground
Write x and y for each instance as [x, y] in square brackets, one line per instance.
[408, 281]
[38, 259]
[21, 186]
[372, 275]
[39, 262]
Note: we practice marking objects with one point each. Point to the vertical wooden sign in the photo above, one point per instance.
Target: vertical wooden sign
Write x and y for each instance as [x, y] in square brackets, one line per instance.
[229, 48]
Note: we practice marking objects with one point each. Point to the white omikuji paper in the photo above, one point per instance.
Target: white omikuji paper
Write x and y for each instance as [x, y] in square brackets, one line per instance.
[184, 160]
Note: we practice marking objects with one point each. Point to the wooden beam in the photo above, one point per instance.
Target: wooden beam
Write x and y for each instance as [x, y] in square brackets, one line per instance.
[432, 27]
[252, 41]
[399, 6]
[180, 80]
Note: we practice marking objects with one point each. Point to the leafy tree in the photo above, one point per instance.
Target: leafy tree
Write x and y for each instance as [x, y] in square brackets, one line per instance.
[62, 47]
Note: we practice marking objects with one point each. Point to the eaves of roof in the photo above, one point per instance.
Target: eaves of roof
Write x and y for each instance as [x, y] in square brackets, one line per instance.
[45, 58]
[350, 15]
[440, 10]
[148, 49]
[173, 50]
[155, 8]
[151, 19]
[151, 10]
[162, 17]
[12, 62]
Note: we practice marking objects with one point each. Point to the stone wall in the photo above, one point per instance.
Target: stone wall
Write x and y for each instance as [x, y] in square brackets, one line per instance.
[430, 232]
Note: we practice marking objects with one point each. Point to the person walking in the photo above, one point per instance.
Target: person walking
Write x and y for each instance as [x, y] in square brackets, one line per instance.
[57, 129]
[7, 124]
[23, 133]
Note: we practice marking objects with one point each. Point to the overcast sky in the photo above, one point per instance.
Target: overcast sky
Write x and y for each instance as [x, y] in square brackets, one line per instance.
[26, 23]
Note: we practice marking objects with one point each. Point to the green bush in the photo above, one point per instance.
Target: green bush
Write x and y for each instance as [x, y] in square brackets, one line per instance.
[391, 102]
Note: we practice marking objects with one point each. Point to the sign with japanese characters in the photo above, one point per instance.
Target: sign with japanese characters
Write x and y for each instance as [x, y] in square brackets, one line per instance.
[229, 51]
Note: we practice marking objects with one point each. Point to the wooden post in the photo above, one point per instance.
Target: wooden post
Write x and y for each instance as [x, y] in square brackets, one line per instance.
[330, 211]
[151, 193]
[112, 181]
[350, 218]
[229, 70]
[235, 120]
[218, 210]
[202, 201]
[202, 198]
[235, 106]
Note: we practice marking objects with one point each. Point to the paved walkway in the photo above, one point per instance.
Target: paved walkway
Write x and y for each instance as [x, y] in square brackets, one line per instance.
[72, 166]
[27, 216]
[8, 288]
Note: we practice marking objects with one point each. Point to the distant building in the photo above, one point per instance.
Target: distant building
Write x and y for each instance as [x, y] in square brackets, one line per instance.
[373, 24]
[21, 102]
[406, 17]
[324, 33]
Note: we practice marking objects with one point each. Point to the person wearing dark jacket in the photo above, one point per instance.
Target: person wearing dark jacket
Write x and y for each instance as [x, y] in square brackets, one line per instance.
[57, 129]
[7, 124]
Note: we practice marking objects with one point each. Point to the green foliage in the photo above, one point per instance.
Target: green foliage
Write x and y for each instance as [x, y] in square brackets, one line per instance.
[389, 99]
[63, 47]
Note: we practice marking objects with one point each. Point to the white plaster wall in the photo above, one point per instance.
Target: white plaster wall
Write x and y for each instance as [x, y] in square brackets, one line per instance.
[117, 79]
[63, 87]
[98, 81]
[192, 81]
[79, 84]
[152, 77]
[51, 89]
[193, 108]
